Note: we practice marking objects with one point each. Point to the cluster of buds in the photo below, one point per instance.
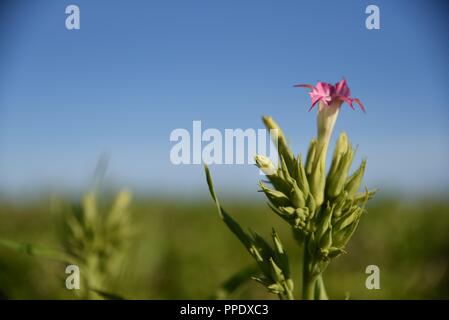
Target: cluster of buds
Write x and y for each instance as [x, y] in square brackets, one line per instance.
[290, 197]
[323, 210]
[273, 263]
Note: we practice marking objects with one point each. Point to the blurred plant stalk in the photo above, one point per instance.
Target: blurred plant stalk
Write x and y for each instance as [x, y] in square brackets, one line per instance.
[322, 209]
[96, 239]
[92, 238]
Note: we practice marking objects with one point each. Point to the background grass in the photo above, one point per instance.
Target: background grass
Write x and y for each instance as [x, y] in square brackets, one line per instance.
[184, 251]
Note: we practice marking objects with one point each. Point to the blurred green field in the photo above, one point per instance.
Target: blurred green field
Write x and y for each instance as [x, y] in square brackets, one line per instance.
[184, 251]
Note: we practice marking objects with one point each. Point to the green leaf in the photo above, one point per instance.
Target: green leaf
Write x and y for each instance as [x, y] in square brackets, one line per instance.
[37, 251]
[107, 295]
[231, 223]
[235, 282]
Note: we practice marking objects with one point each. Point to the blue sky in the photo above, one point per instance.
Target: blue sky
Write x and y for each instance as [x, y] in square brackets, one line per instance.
[136, 70]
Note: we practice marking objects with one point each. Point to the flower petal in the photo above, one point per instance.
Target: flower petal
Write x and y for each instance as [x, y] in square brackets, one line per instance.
[309, 86]
[347, 100]
[342, 89]
[315, 100]
[356, 100]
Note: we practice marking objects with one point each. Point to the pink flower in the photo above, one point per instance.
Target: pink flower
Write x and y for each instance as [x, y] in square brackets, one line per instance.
[331, 95]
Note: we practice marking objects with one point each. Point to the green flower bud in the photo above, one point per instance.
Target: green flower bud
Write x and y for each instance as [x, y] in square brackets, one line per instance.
[353, 184]
[275, 288]
[362, 198]
[276, 272]
[301, 177]
[275, 131]
[277, 198]
[279, 139]
[285, 170]
[280, 255]
[334, 252]
[265, 164]
[348, 219]
[302, 213]
[263, 281]
[342, 144]
[311, 156]
[279, 183]
[324, 222]
[297, 197]
[337, 181]
[317, 180]
[311, 205]
[277, 243]
[340, 149]
[326, 240]
[289, 214]
[338, 203]
[299, 223]
[255, 253]
[341, 238]
[289, 211]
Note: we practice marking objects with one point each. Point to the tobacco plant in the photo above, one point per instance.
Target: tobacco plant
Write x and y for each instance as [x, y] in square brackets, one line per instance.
[322, 209]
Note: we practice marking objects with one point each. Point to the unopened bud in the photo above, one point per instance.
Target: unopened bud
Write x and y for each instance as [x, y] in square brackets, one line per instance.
[301, 177]
[265, 164]
[311, 156]
[337, 180]
[277, 198]
[278, 138]
[339, 202]
[326, 240]
[276, 272]
[275, 288]
[317, 182]
[277, 243]
[297, 197]
[276, 133]
[334, 252]
[353, 184]
[351, 217]
[324, 222]
[341, 148]
[340, 238]
[301, 213]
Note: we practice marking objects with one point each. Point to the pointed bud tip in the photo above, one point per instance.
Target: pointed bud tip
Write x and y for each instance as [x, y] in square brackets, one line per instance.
[265, 164]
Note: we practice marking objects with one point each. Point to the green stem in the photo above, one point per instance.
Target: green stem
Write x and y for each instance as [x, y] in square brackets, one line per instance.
[308, 280]
[309, 289]
[320, 290]
[288, 295]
